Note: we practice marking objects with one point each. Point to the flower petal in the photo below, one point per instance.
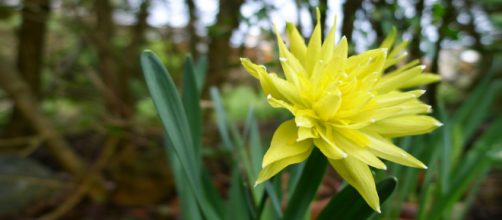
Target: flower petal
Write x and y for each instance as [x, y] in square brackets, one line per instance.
[358, 174]
[329, 149]
[391, 82]
[422, 79]
[314, 46]
[275, 167]
[405, 125]
[272, 84]
[328, 47]
[306, 133]
[297, 43]
[383, 148]
[395, 98]
[327, 106]
[292, 67]
[357, 151]
[284, 144]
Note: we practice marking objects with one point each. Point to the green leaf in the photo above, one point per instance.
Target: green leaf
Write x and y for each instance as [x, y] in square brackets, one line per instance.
[188, 201]
[191, 105]
[348, 204]
[172, 114]
[306, 188]
[445, 142]
[236, 207]
[255, 151]
[200, 72]
[221, 118]
[475, 165]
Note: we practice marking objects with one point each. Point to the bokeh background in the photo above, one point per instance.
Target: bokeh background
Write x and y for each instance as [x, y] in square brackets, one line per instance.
[75, 110]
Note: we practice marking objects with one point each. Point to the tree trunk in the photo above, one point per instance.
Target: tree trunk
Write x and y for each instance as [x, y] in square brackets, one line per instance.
[349, 15]
[194, 38]
[105, 30]
[31, 40]
[448, 17]
[415, 52]
[219, 47]
[130, 63]
[323, 8]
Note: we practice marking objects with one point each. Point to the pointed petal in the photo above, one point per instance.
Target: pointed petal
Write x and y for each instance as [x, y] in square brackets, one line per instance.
[392, 82]
[422, 79]
[272, 84]
[329, 149]
[314, 47]
[290, 64]
[250, 67]
[383, 148]
[405, 125]
[328, 46]
[277, 103]
[274, 168]
[395, 98]
[357, 151]
[342, 49]
[297, 43]
[389, 40]
[358, 174]
[284, 144]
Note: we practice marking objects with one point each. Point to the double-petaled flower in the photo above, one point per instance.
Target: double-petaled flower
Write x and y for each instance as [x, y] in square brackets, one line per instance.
[349, 107]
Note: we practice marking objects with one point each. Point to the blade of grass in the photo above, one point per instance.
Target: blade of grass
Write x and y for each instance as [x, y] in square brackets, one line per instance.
[172, 114]
[188, 202]
[274, 198]
[200, 72]
[236, 207]
[190, 99]
[445, 155]
[474, 166]
[221, 119]
[255, 152]
[348, 204]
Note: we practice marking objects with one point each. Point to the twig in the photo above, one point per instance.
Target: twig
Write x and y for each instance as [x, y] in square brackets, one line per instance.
[20, 93]
[86, 183]
[17, 141]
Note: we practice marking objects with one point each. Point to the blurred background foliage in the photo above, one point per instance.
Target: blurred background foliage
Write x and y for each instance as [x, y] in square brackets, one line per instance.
[80, 137]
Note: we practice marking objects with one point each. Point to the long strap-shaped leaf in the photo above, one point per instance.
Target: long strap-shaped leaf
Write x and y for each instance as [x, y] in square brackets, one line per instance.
[307, 186]
[173, 117]
[348, 204]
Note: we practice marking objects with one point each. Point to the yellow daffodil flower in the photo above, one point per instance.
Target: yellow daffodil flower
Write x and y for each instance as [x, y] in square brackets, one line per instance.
[349, 107]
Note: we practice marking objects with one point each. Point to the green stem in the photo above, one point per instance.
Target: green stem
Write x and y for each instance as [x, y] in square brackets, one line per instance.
[306, 188]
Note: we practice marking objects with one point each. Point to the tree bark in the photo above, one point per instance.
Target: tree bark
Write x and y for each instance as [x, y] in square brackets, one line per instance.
[415, 52]
[349, 14]
[323, 8]
[130, 62]
[448, 17]
[219, 47]
[105, 30]
[194, 38]
[30, 47]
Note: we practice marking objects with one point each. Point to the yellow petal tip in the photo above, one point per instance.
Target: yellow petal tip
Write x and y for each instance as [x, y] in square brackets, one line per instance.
[378, 210]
